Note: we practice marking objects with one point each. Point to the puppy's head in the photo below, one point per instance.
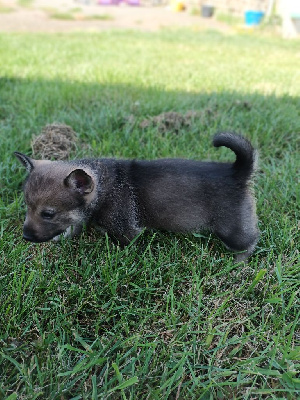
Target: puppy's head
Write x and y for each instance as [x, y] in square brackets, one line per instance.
[57, 195]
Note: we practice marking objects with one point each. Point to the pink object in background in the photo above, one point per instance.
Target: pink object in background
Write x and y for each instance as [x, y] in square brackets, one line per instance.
[118, 2]
[109, 2]
[133, 2]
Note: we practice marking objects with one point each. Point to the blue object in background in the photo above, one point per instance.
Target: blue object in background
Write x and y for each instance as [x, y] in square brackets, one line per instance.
[253, 17]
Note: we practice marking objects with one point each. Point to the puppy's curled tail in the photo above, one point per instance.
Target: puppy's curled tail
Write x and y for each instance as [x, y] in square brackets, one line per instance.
[246, 155]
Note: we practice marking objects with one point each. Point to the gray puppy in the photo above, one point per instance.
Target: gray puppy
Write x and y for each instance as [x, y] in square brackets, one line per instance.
[122, 197]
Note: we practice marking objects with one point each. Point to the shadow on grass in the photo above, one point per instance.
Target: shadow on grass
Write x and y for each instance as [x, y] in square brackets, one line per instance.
[107, 119]
[99, 113]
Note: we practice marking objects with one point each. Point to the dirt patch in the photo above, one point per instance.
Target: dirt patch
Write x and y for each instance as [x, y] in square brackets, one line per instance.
[56, 141]
[174, 122]
[170, 121]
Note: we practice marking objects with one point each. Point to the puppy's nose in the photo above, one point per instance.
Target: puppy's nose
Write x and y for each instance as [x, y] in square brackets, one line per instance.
[29, 235]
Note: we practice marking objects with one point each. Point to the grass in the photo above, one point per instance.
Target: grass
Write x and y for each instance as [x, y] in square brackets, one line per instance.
[4, 9]
[67, 16]
[101, 17]
[229, 19]
[76, 13]
[72, 15]
[25, 3]
[172, 317]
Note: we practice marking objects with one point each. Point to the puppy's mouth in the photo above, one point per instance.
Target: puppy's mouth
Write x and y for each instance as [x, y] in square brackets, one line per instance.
[35, 239]
[64, 234]
[69, 232]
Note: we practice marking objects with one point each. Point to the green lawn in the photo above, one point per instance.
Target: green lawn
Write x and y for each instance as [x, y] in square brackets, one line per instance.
[172, 317]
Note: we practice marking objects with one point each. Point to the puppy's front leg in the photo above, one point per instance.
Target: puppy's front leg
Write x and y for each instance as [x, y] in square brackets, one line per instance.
[70, 232]
[125, 238]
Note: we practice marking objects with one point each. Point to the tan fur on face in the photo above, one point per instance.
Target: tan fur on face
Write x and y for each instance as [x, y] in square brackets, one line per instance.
[46, 190]
[55, 172]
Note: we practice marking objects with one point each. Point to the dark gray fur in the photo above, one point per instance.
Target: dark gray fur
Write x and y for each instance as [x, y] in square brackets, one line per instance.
[168, 194]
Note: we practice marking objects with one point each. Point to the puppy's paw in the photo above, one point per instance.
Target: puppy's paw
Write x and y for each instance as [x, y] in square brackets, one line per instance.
[70, 232]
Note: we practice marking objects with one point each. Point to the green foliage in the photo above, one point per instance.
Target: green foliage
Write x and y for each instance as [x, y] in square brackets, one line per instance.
[171, 316]
[229, 18]
[25, 3]
[67, 16]
[5, 9]
[76, 14]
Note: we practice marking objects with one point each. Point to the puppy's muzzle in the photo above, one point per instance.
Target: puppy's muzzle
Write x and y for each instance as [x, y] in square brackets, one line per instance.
[30, 236]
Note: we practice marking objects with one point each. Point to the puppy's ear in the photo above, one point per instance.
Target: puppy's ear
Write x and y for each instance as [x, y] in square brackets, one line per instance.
[25, 160]
[79, 181]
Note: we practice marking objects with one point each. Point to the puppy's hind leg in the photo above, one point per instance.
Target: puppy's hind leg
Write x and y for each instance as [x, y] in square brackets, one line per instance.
[243, 256]
[241, 240]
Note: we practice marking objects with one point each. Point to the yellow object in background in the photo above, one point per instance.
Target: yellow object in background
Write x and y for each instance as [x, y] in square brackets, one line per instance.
[177, 6]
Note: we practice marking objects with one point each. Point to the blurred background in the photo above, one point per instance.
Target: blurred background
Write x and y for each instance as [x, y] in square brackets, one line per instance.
[278, 16]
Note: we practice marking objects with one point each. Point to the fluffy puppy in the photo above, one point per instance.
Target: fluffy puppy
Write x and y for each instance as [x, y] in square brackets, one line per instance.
[122, 197]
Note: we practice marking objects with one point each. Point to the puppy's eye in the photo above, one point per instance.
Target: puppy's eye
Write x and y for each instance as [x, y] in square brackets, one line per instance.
[47, 214]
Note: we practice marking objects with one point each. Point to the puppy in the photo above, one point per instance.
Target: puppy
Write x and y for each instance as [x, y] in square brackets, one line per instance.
[122, 197]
